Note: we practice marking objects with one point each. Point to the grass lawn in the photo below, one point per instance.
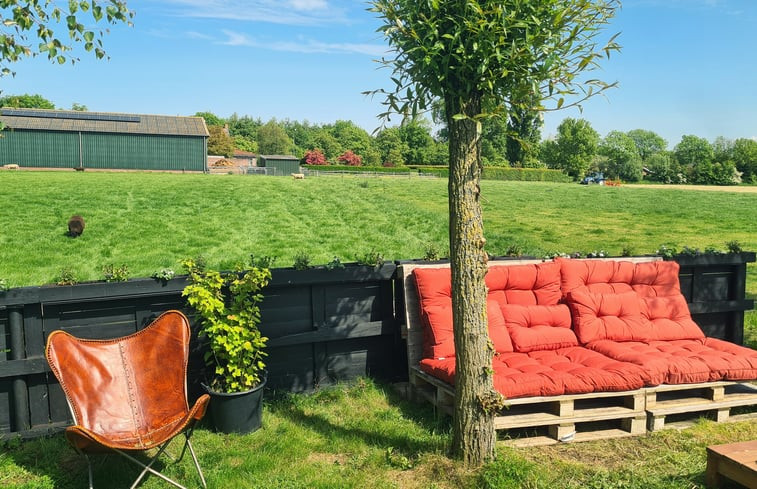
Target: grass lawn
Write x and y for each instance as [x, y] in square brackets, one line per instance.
[360, 435]
[364, 436]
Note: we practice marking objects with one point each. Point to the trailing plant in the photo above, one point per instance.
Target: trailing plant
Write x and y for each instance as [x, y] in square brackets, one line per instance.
[66, 276]
[228, 310]
[116, 274]
[164, 274]
[666, 251]
[334, 264]
[432, 253]
[686, 251]
[372, 259]
[265, 261]
[734, 247]
[301, 261]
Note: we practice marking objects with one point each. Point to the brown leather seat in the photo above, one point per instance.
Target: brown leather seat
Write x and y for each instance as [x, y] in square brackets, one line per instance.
[128, 394]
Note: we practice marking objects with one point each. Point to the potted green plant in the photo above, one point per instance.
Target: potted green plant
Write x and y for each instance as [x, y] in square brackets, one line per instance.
[227, 308]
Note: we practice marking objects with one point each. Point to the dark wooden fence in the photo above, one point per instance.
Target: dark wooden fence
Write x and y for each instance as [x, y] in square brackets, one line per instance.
[324, 326]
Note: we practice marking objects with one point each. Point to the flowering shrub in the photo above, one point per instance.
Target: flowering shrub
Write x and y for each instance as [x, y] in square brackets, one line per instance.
[314, 157]
[350, 158]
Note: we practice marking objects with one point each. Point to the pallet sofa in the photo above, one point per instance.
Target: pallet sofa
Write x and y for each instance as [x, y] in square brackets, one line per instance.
[584, 349]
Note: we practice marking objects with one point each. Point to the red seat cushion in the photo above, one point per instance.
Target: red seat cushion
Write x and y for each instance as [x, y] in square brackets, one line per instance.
[684, 361]
[573, 370]
[539, 327]
[608, 316]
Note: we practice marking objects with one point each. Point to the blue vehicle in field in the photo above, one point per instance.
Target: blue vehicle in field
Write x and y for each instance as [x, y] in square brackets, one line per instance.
[596, 177]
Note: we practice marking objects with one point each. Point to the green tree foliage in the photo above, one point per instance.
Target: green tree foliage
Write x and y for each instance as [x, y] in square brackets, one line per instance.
[244, 126]
[745, 158]
[273, 140]
[523, 134]
[356, 139]
[79, 107]
[663, 168]
[418, 143]
[481, 57]
[647, 142]
[494, 141]
[391, 146]
[244, 143]
[210, 118]
[326, 141]
[26, 101]
[28, 28]
[219, 142]
[622, 157]
[573, 149]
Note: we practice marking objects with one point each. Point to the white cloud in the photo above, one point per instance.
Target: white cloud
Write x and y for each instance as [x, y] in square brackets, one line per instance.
[304, 45]
[289, 12]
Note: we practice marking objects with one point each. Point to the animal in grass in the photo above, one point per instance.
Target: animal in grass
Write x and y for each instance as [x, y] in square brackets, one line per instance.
[75, 226]
[298, 176]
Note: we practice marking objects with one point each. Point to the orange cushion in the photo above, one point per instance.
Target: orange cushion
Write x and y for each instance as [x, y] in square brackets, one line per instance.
[670, 318]
[657, 278]
[524, 284]
[598, 276]
[539, 327]
[439, 340]
[614, 317]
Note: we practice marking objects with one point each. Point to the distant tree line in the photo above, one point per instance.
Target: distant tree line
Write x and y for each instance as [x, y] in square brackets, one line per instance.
[512, 141]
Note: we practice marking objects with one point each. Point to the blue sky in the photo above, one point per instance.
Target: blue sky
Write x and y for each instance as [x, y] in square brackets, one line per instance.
[686, 67]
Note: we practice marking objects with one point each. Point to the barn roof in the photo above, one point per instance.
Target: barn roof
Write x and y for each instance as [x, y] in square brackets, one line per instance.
[105, 122]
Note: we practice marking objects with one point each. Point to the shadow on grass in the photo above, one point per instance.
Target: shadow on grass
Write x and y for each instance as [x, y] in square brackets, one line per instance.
[411, 428]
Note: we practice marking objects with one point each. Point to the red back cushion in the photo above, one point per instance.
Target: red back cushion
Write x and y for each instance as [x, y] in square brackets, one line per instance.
[498, 332]
[438, 337]
[657, 278]
[598, 276]
[611, 316]
[670, 318]
[539, 327]
[524, 284]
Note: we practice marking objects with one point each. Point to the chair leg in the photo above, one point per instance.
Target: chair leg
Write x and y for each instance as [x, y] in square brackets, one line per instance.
[89, 470]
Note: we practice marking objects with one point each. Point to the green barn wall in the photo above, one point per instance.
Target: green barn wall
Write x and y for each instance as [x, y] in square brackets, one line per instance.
[53, 149]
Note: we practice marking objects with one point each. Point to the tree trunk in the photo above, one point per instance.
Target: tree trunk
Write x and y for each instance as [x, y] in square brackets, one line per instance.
[473, 424]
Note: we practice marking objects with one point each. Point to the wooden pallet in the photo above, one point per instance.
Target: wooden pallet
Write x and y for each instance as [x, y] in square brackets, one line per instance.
[534, 421]
[678, 406]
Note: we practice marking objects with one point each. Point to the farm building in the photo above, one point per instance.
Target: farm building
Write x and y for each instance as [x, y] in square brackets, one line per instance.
[281, 164]
[39, 138]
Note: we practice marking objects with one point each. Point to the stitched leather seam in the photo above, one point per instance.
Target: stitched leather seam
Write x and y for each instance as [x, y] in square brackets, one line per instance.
[132, 393]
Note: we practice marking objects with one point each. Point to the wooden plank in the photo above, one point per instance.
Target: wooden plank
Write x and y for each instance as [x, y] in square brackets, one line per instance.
[325, 334]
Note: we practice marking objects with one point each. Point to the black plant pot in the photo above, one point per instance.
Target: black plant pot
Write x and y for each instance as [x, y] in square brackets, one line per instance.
[237, 412]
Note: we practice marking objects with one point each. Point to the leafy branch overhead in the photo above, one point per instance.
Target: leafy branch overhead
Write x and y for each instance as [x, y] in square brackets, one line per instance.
[23, 21]
[506, 51]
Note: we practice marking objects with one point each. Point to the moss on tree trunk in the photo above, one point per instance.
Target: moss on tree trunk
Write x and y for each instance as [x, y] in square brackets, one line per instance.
[473, 425]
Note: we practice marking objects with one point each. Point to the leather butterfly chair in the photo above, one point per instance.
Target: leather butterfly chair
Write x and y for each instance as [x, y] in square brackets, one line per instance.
[128, 394]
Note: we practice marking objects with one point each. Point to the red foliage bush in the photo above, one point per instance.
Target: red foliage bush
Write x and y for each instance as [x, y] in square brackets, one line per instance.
[350, 158]
[314, 157]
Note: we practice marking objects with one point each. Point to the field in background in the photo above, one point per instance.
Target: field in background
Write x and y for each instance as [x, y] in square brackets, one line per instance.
[149, 221]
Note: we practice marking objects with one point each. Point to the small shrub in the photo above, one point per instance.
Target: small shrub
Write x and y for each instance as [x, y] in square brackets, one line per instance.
[432, 253]
[514, 250]
[666, 251]
[597, 254]
[686, 251]
[334, 264]
[350, 159]
[264, 261]
[66, 277]
[301, 261]
[164, 274]
[711, 250]
[363, 184]
[116, 274]
[627, 251]
[3, 285]
[314, 157]
[372, 259]
[734, 247]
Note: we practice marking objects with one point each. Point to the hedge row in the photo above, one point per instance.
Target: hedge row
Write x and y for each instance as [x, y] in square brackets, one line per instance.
[490, 172]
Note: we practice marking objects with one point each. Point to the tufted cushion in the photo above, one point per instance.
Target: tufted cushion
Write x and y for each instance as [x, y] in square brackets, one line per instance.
[438, 335]
[524, 284]
[573, 370]
[670, 318]
[684, 361]
[539, 327]
[657, 278]
[598, 276]
[498, 332]
[608, 316]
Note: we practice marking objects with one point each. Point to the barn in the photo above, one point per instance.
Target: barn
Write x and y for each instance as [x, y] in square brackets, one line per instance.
[40, 138]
